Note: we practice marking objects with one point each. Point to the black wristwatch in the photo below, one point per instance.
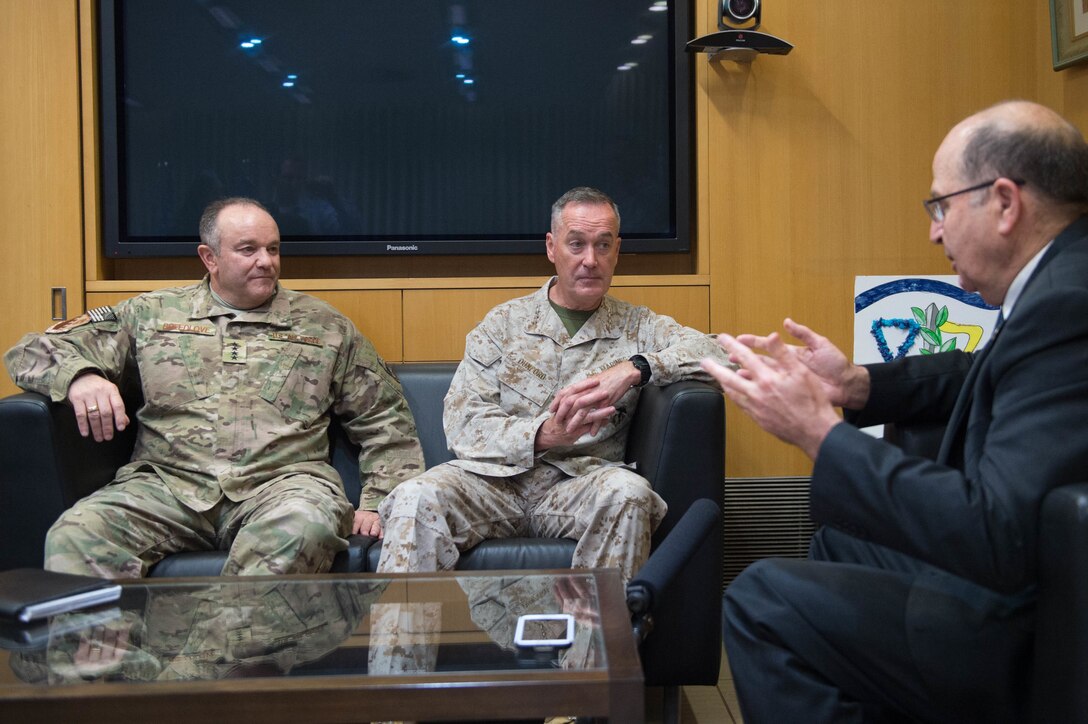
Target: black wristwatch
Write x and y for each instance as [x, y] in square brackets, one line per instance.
[643, 367]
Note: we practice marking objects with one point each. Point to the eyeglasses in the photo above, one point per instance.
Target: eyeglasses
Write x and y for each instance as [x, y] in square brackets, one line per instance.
[935, 210]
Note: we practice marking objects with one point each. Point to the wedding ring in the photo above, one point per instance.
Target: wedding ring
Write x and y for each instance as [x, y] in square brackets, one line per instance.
[92, 408]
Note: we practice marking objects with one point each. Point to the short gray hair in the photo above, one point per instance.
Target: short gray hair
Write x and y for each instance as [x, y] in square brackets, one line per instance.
[582, 195]
[209, 220]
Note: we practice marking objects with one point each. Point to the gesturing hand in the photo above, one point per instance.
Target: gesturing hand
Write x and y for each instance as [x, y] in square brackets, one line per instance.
[846, 384]
[780, 393]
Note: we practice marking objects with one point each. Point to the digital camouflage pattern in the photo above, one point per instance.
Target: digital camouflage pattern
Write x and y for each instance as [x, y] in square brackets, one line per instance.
[521, 355]
[236, 399]
[515, 362]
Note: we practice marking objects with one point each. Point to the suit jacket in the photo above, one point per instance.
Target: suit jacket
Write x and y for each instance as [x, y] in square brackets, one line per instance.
[1015, 415]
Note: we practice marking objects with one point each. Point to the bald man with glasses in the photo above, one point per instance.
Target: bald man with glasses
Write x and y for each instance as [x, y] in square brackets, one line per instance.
[917, 601]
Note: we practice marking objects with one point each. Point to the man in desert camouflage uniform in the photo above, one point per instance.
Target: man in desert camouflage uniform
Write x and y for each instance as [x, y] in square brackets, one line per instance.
[538, 412]
[239, 377]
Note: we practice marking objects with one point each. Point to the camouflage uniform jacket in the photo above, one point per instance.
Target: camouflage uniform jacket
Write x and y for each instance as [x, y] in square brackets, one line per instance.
[520, 355]
[233, 400]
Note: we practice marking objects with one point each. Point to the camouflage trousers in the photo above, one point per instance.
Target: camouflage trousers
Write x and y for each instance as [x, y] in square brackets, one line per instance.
[431, 518]
[291, 525]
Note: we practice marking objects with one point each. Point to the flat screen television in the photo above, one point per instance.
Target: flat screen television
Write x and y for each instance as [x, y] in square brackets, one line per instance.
[393, 127]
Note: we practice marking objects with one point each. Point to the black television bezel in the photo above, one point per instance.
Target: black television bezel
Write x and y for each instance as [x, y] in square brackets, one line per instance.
[117, 245]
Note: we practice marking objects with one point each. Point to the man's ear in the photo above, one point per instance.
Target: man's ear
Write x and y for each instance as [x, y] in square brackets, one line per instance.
[549, 245]
[1008, 196]
[208, 257]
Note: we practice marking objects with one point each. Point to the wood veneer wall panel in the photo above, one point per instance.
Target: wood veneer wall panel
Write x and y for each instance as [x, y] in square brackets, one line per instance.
[40, 195]
[689, 306]
[377, 314]
[437, 320]
[818, 160]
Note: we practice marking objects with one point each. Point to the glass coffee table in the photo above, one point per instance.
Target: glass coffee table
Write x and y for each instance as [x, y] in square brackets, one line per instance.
[457, 646]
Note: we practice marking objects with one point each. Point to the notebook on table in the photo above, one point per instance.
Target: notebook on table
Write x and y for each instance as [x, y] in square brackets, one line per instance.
[29, 594]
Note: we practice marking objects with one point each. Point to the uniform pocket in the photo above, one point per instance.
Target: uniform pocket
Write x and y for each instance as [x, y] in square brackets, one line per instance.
[524, 385]
[299, 384]
[173, 369]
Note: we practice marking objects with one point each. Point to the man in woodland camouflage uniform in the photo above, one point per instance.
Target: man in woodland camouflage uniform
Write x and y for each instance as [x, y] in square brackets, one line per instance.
[239, 376]
[538, 413]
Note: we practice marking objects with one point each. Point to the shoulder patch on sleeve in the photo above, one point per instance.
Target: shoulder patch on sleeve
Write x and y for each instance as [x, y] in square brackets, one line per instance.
[98, 314]
[69, 324]
[102, 314]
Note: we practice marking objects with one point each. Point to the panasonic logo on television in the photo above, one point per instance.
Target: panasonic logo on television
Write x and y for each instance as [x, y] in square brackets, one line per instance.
[402, 247]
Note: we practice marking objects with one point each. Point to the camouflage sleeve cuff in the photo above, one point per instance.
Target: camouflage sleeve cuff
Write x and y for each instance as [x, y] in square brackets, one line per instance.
[536, 422]
[661, 371]
[66, 375]
[369, 500]
[682, 360]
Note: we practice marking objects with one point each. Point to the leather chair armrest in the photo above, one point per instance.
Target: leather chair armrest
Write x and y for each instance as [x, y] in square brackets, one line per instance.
[677, 441]
[1059, 693]
[45, 466]
[31, 487]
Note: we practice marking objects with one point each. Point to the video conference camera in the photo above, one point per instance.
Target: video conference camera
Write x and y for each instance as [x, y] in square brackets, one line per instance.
[738, 12]
[737, 37]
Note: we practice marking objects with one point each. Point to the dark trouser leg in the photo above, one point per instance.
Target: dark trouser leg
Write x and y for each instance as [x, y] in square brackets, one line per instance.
[807, 643]
[864, 633]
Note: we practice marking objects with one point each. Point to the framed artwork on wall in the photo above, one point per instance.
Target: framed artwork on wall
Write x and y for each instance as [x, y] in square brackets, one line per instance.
[1069, 32]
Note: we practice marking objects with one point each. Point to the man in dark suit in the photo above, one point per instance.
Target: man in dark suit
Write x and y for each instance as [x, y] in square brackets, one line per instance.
[917, 601]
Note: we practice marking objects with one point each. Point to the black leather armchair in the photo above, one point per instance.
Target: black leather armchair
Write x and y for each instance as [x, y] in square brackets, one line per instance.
[676, 441]
[1060, 670]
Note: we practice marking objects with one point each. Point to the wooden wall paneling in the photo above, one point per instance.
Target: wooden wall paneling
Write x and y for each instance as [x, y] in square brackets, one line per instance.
[106, 299]
[1065, 90]
[819, 159]
[377, 314]
[689, 306]
[40, 195]
[95, 266]
[437, 320]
